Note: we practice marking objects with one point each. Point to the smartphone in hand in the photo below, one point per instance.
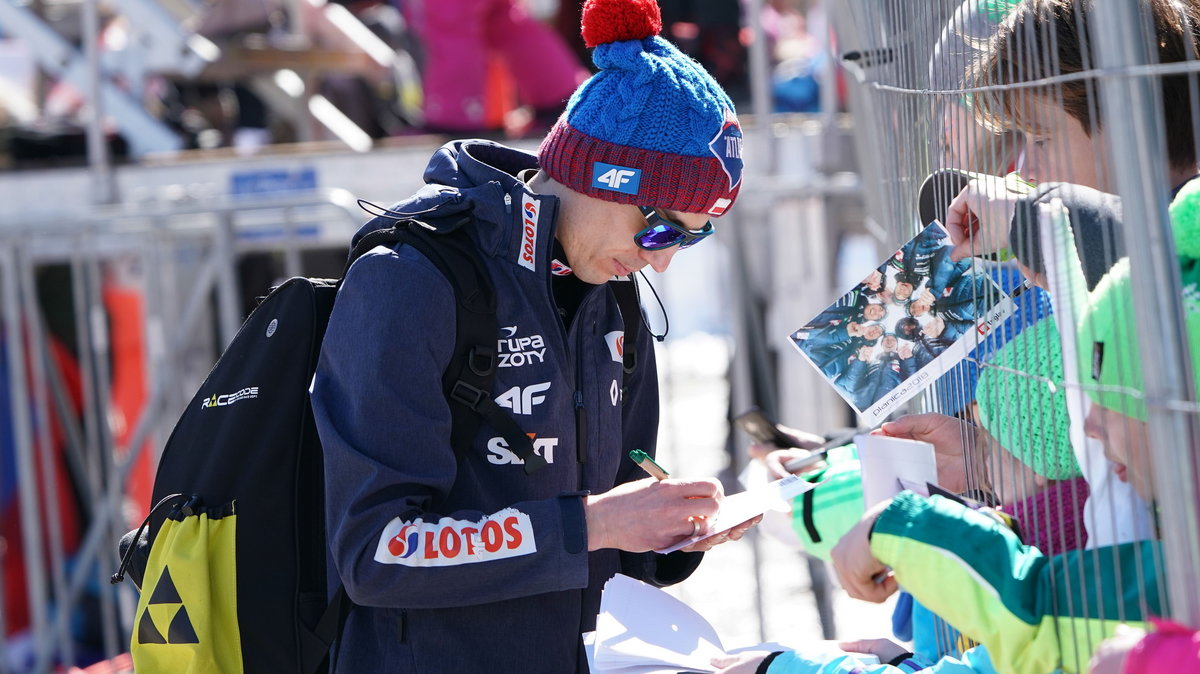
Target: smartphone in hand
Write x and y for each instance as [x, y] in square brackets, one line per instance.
[763, 429]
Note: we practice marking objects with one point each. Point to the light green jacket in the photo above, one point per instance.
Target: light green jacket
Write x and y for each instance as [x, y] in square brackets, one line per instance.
[1034, 613]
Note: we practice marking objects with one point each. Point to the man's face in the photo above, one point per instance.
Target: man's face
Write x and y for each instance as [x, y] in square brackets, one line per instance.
[874, 312]
[917, 309]
[873, 332]
[1126, 444]
[597, 237]
[902, 291]
[889, 343]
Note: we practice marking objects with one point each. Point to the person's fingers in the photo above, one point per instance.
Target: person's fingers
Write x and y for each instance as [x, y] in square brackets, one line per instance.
[736, 533]
[695, 489]
[759, 451]
[959, 218]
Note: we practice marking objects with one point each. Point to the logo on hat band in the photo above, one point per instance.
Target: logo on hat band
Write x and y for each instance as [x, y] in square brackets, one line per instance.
[616, 178]
[726, 146]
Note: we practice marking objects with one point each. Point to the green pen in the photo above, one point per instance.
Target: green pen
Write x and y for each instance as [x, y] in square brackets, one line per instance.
[643, 459]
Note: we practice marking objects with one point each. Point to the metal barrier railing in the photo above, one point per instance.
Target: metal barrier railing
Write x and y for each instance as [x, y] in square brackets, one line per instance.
[185, 256]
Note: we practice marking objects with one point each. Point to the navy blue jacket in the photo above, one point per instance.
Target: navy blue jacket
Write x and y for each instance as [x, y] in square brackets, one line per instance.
[471, 565]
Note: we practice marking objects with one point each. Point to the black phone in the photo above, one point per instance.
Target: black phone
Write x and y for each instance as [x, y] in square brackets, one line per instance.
[763, 429]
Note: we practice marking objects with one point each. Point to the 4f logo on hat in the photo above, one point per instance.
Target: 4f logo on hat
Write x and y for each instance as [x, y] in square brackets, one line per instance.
[616, 178]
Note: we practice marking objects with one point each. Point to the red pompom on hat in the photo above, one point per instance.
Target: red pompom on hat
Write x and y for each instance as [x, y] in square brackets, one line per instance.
[607, 21]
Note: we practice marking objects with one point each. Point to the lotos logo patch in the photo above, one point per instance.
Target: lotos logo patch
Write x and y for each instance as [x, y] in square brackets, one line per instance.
[726, 146]
[450, 542]
[616, 178]
[527, 256]
[616, 345]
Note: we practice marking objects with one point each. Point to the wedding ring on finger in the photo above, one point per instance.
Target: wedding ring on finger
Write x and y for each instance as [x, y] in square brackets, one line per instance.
[695, 525]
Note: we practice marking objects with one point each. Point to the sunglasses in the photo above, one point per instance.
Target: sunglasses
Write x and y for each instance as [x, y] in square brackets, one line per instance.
[661, 232]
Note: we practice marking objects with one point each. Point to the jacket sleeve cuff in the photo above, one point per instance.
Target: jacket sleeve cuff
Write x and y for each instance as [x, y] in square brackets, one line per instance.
[888, 532]
[574, 522]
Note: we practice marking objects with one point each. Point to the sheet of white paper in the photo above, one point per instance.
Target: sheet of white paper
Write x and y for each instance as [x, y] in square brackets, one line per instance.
[589, 646]
[886, 460]
[643, 630]
[742, 506]
[641, 625]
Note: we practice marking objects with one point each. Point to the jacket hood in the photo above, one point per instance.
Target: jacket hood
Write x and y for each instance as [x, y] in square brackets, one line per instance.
[464, 176]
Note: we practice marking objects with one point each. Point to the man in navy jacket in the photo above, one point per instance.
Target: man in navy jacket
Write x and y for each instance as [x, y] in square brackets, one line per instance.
[467, 563]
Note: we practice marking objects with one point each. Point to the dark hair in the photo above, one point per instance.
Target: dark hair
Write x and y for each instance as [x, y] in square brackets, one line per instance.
[1044, 38]
[908, 328]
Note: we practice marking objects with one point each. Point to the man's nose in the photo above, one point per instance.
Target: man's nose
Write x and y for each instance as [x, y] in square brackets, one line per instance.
[659, 260]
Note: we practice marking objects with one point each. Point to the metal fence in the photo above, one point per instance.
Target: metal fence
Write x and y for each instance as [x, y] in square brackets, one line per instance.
[1098, 94]
[146, 297]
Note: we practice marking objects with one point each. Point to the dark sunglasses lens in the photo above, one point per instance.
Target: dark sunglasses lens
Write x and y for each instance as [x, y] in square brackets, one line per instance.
[660, 236]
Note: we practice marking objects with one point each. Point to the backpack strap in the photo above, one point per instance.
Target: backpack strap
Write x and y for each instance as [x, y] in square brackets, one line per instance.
[315, 645]
[467, 382]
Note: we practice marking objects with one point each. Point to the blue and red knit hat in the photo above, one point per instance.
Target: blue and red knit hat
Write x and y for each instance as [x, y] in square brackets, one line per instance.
[652, 127]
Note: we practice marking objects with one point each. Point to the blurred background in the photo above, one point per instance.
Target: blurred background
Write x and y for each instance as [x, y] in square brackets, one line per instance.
[163, 163]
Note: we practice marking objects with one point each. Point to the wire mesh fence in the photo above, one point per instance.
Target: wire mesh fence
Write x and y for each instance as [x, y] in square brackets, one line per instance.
[1054, 140]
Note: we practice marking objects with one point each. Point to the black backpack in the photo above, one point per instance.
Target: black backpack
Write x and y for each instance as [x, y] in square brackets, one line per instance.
[239, 493]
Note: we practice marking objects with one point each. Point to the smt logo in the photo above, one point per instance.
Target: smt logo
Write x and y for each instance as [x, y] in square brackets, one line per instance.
[529, 226]
[500, 454]
[226, 399]
[522, 400]
[616, 345]
[518, 351]
[451, 542]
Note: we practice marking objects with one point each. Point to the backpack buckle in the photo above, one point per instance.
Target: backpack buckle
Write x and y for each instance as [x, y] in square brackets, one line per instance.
[482, 360]
[466, 394]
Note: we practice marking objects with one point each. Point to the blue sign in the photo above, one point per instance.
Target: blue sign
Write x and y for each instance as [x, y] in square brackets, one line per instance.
[273, 181]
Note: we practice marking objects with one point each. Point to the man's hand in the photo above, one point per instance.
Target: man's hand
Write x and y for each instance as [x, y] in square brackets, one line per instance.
[650, 514]
[884, 649]
[948, 437]
[856, 567]
[774, 457]
[745, 662]
[734, 534]
[979, 218]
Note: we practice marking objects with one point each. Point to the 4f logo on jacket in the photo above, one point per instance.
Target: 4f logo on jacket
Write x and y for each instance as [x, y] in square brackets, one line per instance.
[522, 400]
[450, 542]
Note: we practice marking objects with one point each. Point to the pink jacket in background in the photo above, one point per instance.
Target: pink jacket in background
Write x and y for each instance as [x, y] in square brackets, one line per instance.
[1171, 647]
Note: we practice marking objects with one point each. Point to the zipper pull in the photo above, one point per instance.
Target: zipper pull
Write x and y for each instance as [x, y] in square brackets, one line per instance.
[580, 428]
[508, 203]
